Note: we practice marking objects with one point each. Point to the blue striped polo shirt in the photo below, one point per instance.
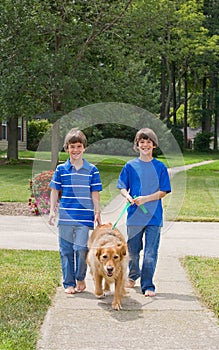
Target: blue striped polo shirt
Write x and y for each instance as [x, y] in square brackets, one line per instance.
[76, 206]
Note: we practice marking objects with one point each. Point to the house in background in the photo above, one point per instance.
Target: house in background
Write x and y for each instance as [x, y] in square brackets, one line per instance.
[192, 133]
[22, 135]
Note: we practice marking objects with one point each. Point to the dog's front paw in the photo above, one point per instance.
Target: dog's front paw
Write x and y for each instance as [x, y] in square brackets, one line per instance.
[107, 292]
[100, 295]
[116, 305]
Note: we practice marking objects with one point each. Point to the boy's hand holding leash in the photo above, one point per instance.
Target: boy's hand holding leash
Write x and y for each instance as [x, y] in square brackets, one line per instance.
[130, 199]
[139, 200]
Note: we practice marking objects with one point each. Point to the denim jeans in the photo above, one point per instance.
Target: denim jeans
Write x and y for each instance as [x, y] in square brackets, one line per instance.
[73, 252]
[151, 245]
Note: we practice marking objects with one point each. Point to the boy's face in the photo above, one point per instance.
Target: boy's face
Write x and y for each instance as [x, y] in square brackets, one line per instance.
[76, 150]
[146, 147]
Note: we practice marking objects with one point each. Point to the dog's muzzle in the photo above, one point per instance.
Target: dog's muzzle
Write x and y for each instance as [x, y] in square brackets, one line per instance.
[109, 271]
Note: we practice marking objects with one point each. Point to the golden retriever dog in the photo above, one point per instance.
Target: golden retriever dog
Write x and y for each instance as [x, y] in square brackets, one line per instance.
[107, 258]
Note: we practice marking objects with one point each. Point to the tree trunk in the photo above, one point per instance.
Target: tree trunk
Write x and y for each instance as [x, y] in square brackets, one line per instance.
[162, 89]
[55, 145]
[169, 90]
[207, 108]
[210, 104]
[204, 103]
[12, 130]
[174, 92]
[216, 114]
[185, 111]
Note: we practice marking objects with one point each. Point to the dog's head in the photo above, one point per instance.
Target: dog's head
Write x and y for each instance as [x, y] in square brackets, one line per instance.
[111, 257]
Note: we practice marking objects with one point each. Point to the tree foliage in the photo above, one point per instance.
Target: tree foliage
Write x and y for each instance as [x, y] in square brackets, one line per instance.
[161, 55]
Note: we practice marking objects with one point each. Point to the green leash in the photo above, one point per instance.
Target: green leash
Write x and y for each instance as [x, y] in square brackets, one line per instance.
[142, 207]
[124, 210]
[122, 213]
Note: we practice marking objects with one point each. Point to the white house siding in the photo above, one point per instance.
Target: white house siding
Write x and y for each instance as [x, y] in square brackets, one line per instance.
[22, 144]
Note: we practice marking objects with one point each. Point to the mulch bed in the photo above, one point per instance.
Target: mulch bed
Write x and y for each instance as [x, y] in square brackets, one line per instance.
[15, 209]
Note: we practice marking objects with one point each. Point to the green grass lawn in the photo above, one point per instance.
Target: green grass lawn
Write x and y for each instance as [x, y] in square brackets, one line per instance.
[14, 182]
[201, 201]
[204, 275]
[28, 280]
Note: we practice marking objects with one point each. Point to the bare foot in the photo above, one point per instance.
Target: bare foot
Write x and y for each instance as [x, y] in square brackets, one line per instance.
[81, 286]
[149, 293]
[130, 284]
[70, 290]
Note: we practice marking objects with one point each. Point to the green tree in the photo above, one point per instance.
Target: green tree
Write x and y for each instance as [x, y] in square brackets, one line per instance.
[172, 38]
[62, 55]
[75, 45]
[211, 79]
[16, 54]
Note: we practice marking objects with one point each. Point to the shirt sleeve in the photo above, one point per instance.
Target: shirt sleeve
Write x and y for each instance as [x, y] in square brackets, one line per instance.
[56, 180]
[123, 180]
[96, 184]
[165, 181]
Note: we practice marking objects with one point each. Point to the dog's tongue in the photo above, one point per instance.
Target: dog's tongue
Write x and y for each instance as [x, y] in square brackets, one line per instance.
[109, 274]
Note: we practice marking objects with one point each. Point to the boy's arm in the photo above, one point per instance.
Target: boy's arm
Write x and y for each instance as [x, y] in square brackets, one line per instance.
[53, 200]
[149, 198]
[96, 200]
[127, 196]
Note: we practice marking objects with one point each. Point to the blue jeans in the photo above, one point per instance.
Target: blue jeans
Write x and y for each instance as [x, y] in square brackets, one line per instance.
[135, 245]
[73, 253]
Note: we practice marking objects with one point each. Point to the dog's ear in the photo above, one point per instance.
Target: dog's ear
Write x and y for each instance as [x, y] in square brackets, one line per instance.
[109, 225]
[98, 253]
[123, 249]
[116, 230]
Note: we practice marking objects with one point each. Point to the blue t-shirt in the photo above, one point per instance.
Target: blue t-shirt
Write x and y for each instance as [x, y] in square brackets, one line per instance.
[141, 179]
[76, 205]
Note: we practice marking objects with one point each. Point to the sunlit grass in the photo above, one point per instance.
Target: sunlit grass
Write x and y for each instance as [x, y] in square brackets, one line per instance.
[204, 274]
[28, 280]
[14, 182]
[201, 202]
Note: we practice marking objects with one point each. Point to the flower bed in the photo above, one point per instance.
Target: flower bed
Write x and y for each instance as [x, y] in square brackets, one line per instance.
[39, 201]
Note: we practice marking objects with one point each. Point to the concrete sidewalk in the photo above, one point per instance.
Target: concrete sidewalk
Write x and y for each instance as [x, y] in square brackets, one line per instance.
[174, 319]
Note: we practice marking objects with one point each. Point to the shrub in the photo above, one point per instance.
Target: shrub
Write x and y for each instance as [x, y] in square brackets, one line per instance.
[36, 130]
[202, 141]
[178, 135]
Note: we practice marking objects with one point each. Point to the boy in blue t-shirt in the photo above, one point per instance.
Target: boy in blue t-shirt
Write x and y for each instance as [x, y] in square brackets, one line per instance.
[79, 207]
[144, 181]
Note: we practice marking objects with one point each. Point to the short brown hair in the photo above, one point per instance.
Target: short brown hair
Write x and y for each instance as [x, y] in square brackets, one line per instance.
[73, 136]
[145, 133]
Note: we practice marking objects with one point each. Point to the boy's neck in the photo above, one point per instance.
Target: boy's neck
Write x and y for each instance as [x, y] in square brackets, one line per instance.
[77, 163]
[145, 158]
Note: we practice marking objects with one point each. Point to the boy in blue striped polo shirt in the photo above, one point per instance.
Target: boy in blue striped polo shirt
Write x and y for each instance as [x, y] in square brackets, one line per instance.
[79, 207]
